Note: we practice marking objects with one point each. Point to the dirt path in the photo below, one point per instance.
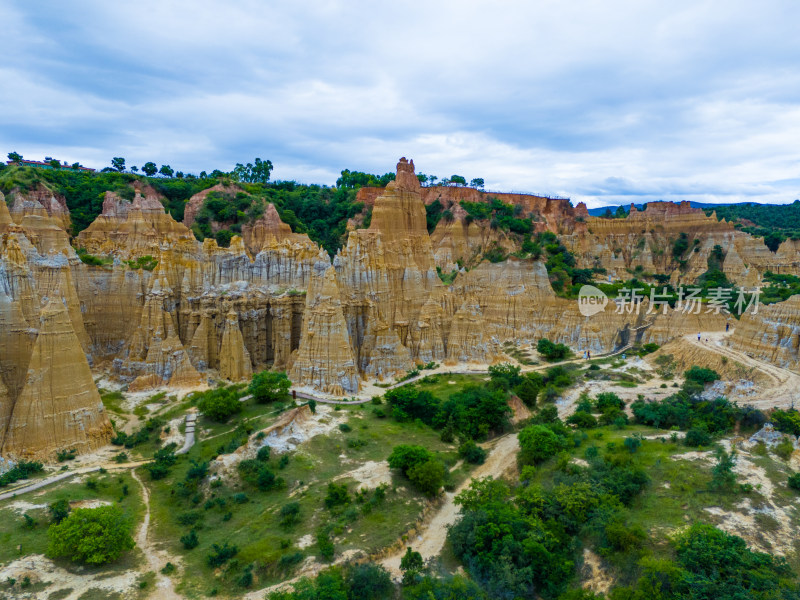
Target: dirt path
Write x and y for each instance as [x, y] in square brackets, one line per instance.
[786, 382]
[430, 542]
[156, 559]
[66, 475]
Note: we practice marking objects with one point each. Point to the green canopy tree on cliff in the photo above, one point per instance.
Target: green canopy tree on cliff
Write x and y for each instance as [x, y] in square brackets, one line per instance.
[118, 163]
[150, 168]
[253, 173]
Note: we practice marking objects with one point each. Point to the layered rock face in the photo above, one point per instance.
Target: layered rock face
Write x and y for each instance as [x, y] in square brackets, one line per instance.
[234, 359]
[274, 299]
[131, 229]
[644, 240]
[59, 406]
[773, 334]
[464, 241]
[325, 359]
[386, 273]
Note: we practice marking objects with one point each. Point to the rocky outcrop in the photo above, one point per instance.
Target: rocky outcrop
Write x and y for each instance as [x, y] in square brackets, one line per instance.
[131, 229]
[39, 202]
[59, 406]
[772, 334]
[469, 339]
[195, 203]
[388, 270]
[460, 241]
[234, 359]
[325, 359]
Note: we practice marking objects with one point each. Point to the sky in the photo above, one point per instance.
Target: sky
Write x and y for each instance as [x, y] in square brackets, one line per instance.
[603, 102]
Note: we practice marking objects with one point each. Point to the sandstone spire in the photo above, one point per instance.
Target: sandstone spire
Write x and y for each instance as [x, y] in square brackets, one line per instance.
[234, 359]
[5, 216]
[324, 359]
[59, 406]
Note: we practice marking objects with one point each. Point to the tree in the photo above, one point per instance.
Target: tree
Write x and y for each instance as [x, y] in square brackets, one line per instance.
[722, 476]
[701, 375]
[92, 536]
[428, 477]
[472, 453]
[290, 514]
[59, 510]
[166, 171]
[337, 495]
[620, 212]
[505, 376]
[477, 183]
[134, 169]
[269, 386]
[368, 581]
[409, 403]
[794, 481]
[253, 173]
[411, 566]
[458, 180]
[219, 404]
[550, 350]
[538, 443]
[633, 444]
[406, 456]
[118, 163]
[15, 157]
[528, 388]
[55, 163]
[150, 169]
[190, 540]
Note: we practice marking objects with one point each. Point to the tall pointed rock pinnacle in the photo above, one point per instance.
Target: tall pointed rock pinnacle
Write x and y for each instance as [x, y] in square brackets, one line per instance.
[234, 359]
[59, 406]
[325, 359]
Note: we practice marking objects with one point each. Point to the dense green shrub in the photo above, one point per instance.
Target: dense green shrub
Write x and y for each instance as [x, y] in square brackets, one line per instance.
[93, 536]
[539, 442]
[22, 470]
[269, 386]
[582, 420]
[701, 375]
[472, 453]
[220, 404]
[409, 403]
[552, 351]
[697, 437]
[337, 495]
[786, 421]
[221, 554]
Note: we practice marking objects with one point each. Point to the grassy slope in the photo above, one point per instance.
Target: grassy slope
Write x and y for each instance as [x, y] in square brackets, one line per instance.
[678, 492]
[254, 526]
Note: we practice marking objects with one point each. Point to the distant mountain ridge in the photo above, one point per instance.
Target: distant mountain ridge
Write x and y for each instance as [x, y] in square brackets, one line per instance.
[599, 211]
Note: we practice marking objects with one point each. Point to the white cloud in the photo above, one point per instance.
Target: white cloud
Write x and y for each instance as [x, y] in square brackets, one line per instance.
[604, 102]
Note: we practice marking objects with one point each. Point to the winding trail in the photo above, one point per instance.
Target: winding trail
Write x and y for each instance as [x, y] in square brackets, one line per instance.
[786, 390]
[156, 559]
[431, 541]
